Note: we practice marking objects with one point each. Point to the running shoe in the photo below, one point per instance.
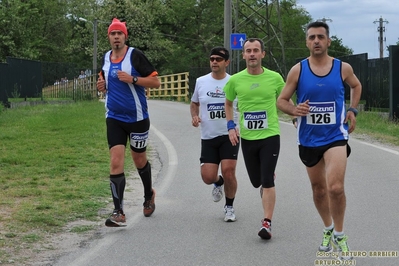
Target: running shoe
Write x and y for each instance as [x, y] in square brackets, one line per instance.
[117, 219]
[265, 231]
[340, 245]
[217, 193]
[326, 243]
[229, 214]
[149, 205]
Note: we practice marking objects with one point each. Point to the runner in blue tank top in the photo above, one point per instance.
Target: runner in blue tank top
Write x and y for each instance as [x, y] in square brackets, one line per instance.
[125, 74]
[325, 123]
[323, 129]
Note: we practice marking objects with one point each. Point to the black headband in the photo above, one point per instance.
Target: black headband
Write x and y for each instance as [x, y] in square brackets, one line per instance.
[225, 56]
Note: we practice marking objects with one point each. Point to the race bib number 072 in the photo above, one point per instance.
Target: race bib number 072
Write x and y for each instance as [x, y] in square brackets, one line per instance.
[255, 120]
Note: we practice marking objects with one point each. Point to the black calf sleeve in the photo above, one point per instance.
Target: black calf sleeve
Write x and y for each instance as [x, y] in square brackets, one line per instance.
[117, 184]
[145, 175]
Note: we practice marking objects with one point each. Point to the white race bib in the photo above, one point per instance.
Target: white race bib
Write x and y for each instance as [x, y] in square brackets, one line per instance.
[216, 111]
[139, 140]
[255, 120]
[321, 113]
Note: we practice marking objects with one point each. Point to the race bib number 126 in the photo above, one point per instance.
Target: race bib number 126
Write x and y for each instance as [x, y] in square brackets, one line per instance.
[322, 113]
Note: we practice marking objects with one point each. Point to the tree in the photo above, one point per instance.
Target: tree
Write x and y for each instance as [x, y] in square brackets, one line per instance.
[193, 28]
[32, 29]
[174, 34]
[337, 48]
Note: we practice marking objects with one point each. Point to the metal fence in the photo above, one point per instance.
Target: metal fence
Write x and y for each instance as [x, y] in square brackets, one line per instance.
[377, 90]
[23, 78]
[81, 88]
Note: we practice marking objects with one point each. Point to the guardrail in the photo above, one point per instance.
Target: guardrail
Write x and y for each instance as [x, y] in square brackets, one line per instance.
[173, 87]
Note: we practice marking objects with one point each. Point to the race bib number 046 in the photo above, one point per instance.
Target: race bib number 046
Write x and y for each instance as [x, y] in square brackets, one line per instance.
[255, 120]
[216, 111]
[322, 113]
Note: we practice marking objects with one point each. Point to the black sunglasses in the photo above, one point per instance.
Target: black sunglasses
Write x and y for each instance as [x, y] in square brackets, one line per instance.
[218, 59]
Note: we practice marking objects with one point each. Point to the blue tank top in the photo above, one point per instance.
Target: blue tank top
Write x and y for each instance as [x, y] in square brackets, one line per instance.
[326, 94]
[124, 102]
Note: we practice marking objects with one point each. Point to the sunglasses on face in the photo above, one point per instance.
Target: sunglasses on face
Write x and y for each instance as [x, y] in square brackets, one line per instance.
[218, 59]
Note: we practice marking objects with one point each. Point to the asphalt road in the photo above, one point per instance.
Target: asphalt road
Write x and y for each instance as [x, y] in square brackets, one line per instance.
[187, 227]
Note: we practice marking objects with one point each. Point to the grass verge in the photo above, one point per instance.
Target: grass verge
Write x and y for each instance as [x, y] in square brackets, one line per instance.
[54, 166]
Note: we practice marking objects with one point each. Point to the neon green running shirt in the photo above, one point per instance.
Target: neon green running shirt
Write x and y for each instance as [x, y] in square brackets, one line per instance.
[256, 95]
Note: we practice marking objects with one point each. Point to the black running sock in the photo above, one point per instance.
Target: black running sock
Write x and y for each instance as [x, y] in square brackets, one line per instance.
[229, 202]
[220, 182]
[145, 175]
[117, 184]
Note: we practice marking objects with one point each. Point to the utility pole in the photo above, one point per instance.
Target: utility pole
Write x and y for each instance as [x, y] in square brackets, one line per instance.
[238, 53]
[280, 27]
[270, 52]
[95, 25]
[227, 28]
[325, 20]
[381, 38]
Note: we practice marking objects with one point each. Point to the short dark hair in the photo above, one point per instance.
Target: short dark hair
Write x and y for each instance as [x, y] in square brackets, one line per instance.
[318, 24]
[262, 45]
[221, 51]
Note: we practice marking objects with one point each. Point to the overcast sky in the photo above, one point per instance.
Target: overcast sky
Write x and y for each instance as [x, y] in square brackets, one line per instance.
[353, 22]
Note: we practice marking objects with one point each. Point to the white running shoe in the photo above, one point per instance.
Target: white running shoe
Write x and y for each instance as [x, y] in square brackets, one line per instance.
[217, 193]
[229, 214]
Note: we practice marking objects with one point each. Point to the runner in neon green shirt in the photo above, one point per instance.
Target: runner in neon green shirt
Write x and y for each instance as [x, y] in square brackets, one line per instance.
[256, 89]
[256, 95]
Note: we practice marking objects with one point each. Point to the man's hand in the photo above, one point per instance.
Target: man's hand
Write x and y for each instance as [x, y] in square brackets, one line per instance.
[302, 109]
[101, 83]
[350, 116]
[234, 136]
[196, 121]
[125, 77]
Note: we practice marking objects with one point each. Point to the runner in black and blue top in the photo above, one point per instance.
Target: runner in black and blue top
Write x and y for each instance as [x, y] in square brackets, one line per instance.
[324, 125]
[125, 74]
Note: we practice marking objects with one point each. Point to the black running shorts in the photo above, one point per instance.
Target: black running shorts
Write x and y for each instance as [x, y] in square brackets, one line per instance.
[217, 149]
[118, 132]
[310, 156]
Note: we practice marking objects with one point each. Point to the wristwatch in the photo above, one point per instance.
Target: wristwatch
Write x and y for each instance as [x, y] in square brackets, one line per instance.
[135, 79]
[353, 110]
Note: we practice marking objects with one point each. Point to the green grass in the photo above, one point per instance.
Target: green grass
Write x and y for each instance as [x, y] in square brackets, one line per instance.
[54, 166]
[378, 127]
